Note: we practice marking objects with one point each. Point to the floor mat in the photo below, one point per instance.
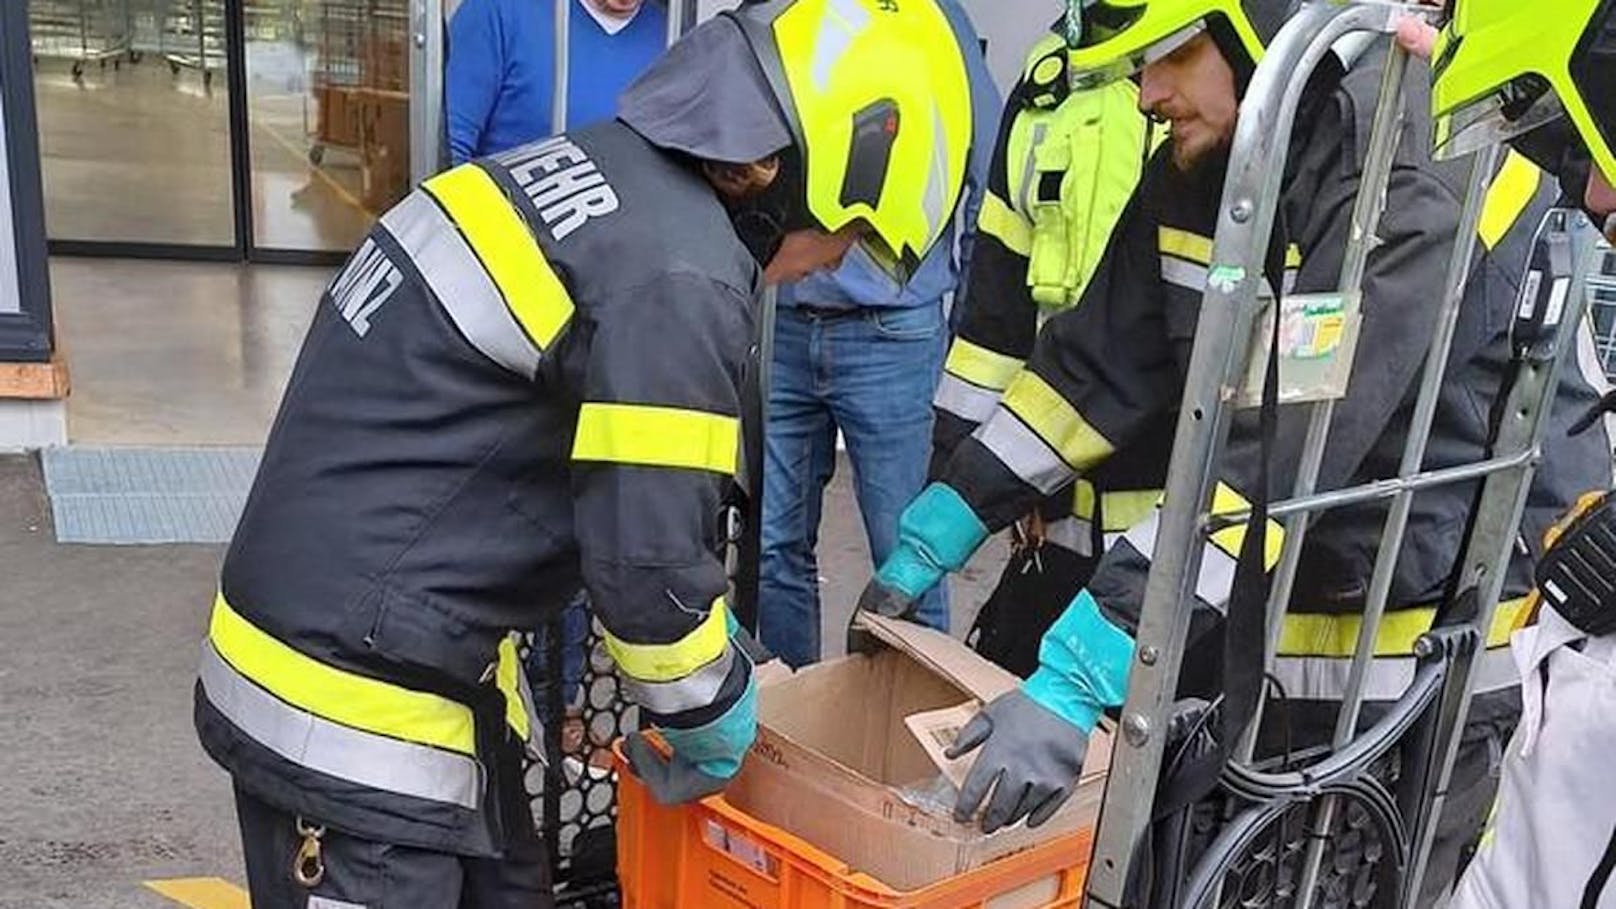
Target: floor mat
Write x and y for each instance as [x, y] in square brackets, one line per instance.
[147, 495]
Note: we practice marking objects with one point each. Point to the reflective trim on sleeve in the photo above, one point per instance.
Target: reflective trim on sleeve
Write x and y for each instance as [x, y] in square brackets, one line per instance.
[458, 280]
[370, 760]
[508, 679]
[998, 220]
[335, 694]
[1121, 509]
[1337, 635]
[672, 662]
[1192, 277]
[1325, 678]
[653, 436]
[1184, 274]
[1056, 421]
[1225, 500]
[1509, 195]
[1022, 452]
[694, 691]
[506, 248]
[1072, 534]
[969, 402]
[1193, 247]
[980, 366]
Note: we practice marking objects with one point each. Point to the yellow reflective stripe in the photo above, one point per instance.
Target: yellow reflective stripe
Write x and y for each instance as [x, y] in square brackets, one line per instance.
[653, 436]
[1337, 635]
[508, 680]
[980, 366]
[338, 695]
[1196, 248]
[507, 250]
[1055, 421]
[998, 220]
[671, 662]
[1225, 501]
[1185, 245]
[1512, 190]
[1122, 509]
[1083, 500]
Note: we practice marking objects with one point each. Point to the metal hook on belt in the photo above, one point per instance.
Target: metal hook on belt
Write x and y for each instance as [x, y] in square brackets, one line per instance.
[308, 869]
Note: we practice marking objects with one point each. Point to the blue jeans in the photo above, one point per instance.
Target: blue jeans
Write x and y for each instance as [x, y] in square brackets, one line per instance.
[871, 374]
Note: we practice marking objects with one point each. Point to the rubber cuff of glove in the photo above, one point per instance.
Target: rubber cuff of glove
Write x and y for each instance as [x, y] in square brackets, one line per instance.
[936, 534]
[717, 748]
[1082, 665]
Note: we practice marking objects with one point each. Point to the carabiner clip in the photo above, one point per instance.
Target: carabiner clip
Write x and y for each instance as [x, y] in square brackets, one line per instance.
[308, 868]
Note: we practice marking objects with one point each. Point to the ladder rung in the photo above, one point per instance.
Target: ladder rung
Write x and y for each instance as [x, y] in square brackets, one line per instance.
[1380, 489]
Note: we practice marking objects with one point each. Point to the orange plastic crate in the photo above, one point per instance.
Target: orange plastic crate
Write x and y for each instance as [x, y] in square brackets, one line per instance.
[710, 855]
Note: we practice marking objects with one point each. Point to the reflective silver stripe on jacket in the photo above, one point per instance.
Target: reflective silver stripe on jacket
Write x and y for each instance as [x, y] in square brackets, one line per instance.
[374, 761]
[1072, 534]
[1192, 276]
[694, 691]
[1325, 678]
[965, 400]
[460, 282]
[1023, 452]
[1216, 579]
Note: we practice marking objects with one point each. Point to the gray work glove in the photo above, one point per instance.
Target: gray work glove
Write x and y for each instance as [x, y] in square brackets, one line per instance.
[879, 599]
[672, 781]
[1031, 758]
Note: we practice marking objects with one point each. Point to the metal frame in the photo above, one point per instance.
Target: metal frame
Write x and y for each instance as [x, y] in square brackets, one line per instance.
[1435, 706]
[24, 335]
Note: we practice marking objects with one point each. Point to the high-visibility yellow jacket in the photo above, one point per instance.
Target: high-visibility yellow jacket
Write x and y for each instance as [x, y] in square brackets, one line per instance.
[526, 379]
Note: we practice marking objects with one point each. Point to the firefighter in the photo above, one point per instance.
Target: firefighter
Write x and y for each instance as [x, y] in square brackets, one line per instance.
[1106, 374]
[1062, 169]
[526, 380]
[1544, 77]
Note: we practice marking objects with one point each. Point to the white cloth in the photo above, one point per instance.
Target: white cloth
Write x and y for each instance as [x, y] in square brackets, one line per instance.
[1556, 809]
[611, 25]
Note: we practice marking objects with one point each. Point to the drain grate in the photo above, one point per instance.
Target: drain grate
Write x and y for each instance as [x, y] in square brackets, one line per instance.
[147, 495]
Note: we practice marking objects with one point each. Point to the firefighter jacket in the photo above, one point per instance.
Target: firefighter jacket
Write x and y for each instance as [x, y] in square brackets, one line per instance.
[526, 378]
[1105, 378]
[1062, 170]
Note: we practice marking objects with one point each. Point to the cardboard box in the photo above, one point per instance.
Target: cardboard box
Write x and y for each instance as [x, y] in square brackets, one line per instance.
[834, 758]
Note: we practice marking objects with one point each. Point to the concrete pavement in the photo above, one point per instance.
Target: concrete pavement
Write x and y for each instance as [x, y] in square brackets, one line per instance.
[102, 784]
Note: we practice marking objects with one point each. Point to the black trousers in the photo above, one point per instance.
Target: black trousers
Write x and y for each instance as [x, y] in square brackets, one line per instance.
[362, 874]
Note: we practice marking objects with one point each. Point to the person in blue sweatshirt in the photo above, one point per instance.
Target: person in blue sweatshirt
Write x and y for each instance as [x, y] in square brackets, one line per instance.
[500, 77]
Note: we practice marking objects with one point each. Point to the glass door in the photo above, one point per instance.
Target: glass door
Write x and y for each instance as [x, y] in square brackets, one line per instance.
[328, 110]
[134, 126]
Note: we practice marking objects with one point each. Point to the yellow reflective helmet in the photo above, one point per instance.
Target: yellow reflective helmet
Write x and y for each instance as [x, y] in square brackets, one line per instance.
[1121, 37]
[876, 95]
[1504, 67]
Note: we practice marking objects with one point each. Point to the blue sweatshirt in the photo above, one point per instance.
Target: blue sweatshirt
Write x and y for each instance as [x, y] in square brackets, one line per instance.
[500, 72]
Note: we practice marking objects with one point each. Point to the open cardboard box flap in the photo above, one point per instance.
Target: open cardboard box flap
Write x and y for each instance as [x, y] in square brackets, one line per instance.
[835, 764]
[946, 657]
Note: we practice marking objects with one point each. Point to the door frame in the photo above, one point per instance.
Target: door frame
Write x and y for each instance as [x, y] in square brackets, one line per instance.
[25, 335]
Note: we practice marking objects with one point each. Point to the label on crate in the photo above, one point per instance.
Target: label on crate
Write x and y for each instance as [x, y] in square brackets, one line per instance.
[740, 847]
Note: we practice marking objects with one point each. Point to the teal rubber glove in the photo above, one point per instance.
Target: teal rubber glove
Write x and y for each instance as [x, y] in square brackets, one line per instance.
[706, 757]
[937, 533]
[1034, 739]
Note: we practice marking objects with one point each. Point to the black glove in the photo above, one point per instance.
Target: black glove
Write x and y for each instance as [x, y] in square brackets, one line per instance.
[879, 599]
[672, 781]
[1031, 758]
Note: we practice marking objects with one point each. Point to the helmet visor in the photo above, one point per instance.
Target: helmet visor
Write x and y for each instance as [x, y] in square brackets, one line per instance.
[1129, 62]
[1522, 105]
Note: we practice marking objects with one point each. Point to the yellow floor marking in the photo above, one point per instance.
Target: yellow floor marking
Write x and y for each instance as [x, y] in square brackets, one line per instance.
[342, 193]
[202, 892]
